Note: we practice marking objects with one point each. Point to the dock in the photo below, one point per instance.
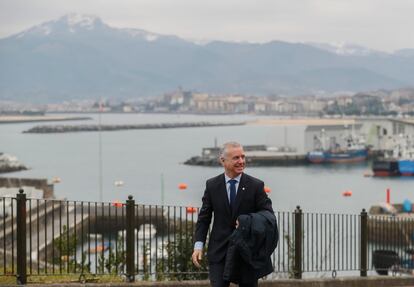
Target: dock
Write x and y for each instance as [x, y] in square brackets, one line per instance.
[256, 159]
[256, 155]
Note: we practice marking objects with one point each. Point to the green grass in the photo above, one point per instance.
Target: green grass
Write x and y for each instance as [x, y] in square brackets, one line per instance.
[63, 278]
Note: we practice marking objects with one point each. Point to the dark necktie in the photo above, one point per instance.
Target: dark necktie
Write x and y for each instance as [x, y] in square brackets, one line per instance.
[232, 192]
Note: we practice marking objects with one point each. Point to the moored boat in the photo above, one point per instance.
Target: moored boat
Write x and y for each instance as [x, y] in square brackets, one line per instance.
[385, 167]
[406, 167]
[354, 151]
[338, 156]
[399, 163]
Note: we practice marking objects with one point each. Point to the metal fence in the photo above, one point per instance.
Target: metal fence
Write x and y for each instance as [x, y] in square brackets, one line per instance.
[152, 242]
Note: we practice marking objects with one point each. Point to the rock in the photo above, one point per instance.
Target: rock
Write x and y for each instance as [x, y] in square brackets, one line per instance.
[9, 163]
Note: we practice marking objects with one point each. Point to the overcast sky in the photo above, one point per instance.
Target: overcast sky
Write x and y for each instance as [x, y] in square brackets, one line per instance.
[385, 25]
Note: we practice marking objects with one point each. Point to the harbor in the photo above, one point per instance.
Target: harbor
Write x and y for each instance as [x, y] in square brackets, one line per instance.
[99, 227]
[148, 160]
[325, 141]
[124, 122]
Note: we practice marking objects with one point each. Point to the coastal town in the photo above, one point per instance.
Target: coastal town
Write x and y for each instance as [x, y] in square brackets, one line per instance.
[397, 102]
[196, 144]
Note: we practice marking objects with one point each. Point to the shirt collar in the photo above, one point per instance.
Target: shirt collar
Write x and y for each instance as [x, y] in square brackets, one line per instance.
[229, 178]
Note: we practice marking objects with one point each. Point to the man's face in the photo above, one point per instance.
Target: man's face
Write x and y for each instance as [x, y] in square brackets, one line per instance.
[233, 161]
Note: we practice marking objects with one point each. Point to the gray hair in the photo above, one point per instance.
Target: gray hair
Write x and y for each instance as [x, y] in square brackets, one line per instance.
[225, 146]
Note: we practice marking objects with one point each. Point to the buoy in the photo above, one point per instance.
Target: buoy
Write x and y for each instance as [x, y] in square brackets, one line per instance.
[182, 186]
[347, 193]
[267, 189]
[117, 203]
[118, 183]
[98, 248]
[388, 200]
[191, 209]
[367, 174]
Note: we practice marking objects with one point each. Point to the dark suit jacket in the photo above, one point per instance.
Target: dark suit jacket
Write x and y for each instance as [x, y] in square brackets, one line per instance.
[250, 248]
[250, 198]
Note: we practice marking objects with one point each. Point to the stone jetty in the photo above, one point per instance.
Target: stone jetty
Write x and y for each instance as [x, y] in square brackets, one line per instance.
[256, 155]
[45, 129]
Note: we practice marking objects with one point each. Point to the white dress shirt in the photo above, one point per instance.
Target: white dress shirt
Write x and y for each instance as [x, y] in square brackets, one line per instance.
[200, 244]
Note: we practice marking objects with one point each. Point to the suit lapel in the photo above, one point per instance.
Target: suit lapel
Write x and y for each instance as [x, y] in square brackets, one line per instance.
[241, 190]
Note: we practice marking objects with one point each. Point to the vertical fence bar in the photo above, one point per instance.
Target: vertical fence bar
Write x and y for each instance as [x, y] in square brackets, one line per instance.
[130, 224]
[4, 236]
[21, 238]
[364, 243]
[82, 237]
[60, 237]
[53, 236]
[13, 234]
[30, 238]
[38, 235]
[298, 243]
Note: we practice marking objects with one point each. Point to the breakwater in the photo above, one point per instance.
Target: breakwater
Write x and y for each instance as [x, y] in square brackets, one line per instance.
[45, 129]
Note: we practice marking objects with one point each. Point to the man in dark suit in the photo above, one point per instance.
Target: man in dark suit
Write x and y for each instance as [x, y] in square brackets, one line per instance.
[227, 196]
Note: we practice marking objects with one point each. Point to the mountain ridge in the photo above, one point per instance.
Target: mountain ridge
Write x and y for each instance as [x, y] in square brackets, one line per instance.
[79, 56]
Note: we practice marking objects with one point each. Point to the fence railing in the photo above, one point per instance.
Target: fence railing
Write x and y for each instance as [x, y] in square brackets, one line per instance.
[153, 242]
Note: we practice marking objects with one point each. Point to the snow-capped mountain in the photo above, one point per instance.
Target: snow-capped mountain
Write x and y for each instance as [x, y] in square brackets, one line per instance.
[79, 56]
[70, 23]
[74, 23]
[346, 49]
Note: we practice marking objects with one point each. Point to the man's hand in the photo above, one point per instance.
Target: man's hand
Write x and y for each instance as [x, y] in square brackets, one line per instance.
[197, 257]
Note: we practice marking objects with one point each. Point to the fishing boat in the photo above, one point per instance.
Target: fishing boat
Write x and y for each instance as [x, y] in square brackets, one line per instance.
[406, 167]
[385, 167]
[354, 151]
[400, 161]
[338, 156]
[406, 159]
